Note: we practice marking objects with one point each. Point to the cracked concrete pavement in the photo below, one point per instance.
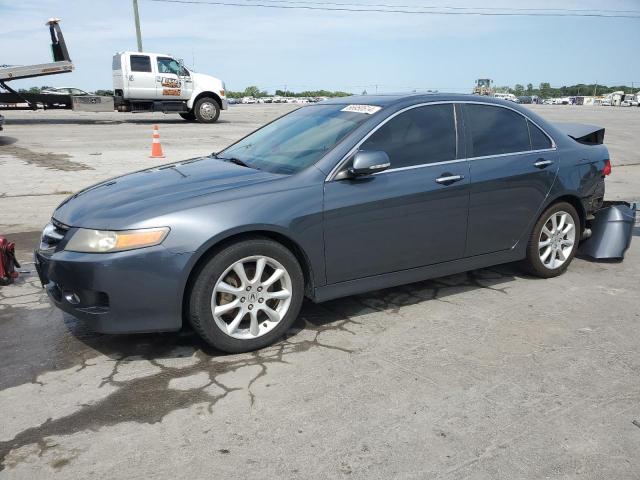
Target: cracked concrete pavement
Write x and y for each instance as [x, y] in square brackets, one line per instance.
[485, 375]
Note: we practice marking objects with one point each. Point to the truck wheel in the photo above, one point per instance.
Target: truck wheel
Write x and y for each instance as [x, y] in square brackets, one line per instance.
[553, 242]
[188, 116]
[246, 296]
[206, 110]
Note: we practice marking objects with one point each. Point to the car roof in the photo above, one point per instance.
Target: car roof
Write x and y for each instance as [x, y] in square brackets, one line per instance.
[385, 100]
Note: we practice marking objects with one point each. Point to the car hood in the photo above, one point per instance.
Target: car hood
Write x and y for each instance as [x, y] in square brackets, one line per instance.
[124, 201]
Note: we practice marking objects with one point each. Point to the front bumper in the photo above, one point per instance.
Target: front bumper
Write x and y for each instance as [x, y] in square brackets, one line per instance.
[224, 104]
[124, 292]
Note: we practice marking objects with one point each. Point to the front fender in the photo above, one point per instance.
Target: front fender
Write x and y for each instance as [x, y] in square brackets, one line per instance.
[206, 85]
[291, 216]
[224, 103]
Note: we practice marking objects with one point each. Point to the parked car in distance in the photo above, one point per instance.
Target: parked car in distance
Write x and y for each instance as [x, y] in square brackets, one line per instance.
[507, 96]
[64, 91]
[333, 199]
[630, 100]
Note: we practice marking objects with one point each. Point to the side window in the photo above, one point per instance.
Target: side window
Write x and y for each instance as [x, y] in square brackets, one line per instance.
[168, 65]
[539, 140]
[140, 63]
[496, 130]
[418, 136]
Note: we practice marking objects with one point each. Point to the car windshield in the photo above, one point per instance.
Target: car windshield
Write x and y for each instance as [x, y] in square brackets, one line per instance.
[297, 140]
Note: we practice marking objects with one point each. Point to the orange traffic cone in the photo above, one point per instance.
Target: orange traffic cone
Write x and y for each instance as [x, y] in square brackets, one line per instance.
[156, 148]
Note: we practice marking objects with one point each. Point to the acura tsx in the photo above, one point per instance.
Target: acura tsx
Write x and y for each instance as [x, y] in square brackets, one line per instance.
[333, 199]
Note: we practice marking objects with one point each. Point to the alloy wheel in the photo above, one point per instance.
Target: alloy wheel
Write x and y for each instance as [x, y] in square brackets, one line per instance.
[251, 297]
[557, 239]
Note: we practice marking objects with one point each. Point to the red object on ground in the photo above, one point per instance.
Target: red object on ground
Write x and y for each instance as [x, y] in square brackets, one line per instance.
[8, 262]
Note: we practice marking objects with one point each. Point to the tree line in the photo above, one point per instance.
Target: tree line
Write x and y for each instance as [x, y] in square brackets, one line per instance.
[255, 92]
[545, 90]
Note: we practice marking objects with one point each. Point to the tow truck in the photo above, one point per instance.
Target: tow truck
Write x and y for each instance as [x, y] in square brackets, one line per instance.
[12, 100]
[143, 82]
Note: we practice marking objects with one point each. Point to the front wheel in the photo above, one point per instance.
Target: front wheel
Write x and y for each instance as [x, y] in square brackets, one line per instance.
[553, 241]
[246, 296]
[206, 110]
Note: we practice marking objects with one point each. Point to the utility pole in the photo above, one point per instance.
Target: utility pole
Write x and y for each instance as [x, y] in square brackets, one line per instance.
[595, 89]
[137, 19]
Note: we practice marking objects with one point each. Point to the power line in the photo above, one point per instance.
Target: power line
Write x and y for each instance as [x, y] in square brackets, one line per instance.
[390, 10]
[445, 7]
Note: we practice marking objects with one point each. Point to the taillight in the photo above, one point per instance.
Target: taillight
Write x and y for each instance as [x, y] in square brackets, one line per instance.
[607, 168]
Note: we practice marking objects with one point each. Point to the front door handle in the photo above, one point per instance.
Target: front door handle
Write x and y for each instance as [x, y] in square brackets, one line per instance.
[448, 179]
[542, 163]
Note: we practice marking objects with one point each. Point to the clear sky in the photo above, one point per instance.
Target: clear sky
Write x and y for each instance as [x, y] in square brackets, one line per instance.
[306, 49]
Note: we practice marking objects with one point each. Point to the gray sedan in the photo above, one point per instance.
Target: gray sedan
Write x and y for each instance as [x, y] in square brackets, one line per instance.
[333, 199]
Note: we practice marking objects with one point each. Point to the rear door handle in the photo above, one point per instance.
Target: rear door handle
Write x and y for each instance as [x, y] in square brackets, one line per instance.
[541, 163]
[447, 179]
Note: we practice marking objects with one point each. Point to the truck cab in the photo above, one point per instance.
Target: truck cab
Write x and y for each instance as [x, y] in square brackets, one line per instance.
[154, 82]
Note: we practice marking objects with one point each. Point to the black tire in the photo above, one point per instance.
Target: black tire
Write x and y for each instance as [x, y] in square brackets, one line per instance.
[206, 110]
[200, 311]
[532, 263]
[188, 116]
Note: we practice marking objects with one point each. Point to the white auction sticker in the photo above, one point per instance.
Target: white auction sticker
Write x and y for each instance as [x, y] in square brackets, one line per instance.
[368, 109]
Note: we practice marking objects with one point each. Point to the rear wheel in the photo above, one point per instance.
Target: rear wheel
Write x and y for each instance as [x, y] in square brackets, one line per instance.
[553, 241]
[206, 110]
[246, 296]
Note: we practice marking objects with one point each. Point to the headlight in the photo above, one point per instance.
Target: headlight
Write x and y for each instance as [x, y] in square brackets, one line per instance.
[102, 241]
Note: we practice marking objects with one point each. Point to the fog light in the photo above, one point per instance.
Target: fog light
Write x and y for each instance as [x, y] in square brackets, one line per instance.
[72, 298]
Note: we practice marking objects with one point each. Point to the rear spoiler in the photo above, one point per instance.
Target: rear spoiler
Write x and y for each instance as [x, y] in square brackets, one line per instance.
[583, 133]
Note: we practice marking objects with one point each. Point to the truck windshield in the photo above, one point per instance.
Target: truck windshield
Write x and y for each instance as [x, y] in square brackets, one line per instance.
[297, 140]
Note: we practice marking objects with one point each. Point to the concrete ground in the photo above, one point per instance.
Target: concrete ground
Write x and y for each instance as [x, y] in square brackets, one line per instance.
[484, 375]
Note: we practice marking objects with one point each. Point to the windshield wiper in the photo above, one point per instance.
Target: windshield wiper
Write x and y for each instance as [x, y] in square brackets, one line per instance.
[237, 161]
[234, 160]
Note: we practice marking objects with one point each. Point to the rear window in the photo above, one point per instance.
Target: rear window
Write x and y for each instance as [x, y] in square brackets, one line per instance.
[116, 65]
[496, 130]
[539, 141]
[140, 63]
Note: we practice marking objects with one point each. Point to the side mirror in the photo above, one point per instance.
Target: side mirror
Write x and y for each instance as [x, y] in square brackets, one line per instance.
[368, 162]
